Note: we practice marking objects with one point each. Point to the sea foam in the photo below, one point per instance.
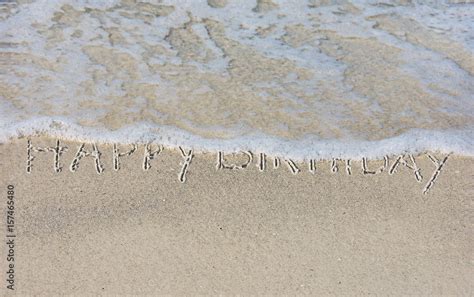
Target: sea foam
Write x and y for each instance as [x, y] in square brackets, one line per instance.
[296, 79]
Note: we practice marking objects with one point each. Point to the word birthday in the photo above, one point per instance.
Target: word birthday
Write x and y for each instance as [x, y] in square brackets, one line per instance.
[150, 153]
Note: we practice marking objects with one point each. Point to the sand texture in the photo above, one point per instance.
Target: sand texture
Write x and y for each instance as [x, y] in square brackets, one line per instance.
[228, 231]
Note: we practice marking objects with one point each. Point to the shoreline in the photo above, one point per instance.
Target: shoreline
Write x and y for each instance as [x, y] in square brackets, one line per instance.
[413, 141]
[234, 231]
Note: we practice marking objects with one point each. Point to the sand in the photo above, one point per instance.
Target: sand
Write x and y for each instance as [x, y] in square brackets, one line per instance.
[133, 231]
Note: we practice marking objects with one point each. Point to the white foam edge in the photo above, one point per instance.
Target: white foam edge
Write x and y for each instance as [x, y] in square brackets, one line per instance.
[416, 141]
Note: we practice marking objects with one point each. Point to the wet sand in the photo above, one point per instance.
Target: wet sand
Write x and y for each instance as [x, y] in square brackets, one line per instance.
[234, 231]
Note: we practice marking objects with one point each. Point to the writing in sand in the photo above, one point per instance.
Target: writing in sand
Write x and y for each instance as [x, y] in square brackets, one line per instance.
[151, 151]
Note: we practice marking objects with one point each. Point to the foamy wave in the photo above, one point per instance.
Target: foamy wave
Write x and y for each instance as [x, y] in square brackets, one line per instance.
[412, 142]
[299, 79]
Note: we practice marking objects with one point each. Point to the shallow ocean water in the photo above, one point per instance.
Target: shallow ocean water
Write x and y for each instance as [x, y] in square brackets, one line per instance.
[302, 79]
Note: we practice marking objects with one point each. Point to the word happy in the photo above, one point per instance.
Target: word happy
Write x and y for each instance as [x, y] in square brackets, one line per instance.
[151, 152]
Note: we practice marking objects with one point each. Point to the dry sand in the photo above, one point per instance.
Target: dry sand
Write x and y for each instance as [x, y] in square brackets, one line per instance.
[234, 231]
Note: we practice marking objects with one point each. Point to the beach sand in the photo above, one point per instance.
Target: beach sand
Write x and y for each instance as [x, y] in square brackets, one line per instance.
[234, 231]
